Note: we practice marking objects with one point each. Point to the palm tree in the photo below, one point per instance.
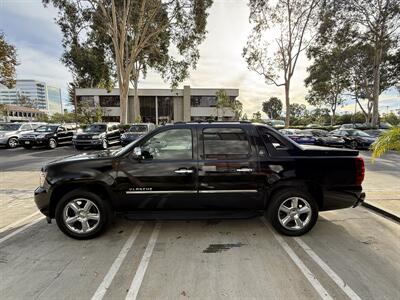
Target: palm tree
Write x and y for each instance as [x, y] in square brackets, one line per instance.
[389, 140]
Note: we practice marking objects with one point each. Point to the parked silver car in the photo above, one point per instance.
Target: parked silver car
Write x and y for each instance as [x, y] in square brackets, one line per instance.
[11, 132]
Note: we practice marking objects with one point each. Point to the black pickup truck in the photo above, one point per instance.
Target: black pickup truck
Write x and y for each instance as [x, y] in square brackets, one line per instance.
[202, 167]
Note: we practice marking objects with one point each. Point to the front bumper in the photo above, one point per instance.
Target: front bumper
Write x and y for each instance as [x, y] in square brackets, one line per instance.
[87, 143]
[42, 200]
[3, 140]
[33, 142]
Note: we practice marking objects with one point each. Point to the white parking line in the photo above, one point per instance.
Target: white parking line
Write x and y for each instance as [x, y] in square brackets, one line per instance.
[105, 284]
[13, 225]
[339, 281]
[5, 238]
[299, 263]
[141, 270]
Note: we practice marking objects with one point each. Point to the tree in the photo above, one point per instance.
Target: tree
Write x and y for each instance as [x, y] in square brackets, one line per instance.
[8, 62]
[141, 34]
[376, 23]
[389, 140]
[272, 108]
[90, 114]
[25, 101]
[223, 102]
[256, 117]
[297, 110]
[293, 19]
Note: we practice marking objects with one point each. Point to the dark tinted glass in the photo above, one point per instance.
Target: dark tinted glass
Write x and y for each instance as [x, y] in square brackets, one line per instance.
[225, 143]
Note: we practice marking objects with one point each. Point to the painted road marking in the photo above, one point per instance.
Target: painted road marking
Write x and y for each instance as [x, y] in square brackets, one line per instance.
[13, 225]
[5, 238]
[299, 263]
[339, 281]
[140, 272]
[105, 284]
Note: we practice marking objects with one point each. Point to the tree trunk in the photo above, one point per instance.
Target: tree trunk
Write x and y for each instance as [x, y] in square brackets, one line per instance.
[136, 102]
[333, 117]
[123, 96]
[287, 102]
[377, 79]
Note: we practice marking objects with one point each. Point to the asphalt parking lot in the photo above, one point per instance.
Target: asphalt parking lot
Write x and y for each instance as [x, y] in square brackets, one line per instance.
[350, 254]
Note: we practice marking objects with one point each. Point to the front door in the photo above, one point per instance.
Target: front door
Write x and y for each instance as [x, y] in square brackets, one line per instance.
[165, 177]
[228, 169]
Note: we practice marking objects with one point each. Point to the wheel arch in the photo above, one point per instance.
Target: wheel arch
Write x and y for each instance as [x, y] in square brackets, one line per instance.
[313, 188]
[97, 188]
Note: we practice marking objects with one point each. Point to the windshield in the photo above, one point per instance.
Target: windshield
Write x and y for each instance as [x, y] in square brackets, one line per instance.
[358, 133]
[96, 128]
[9, 127]
[46, 128]
[138, 128]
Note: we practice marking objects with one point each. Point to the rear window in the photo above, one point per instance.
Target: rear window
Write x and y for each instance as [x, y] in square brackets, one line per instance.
[225, 143]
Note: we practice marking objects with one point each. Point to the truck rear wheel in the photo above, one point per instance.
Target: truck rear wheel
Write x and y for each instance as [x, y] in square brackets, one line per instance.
[292, 212]
[82, 215]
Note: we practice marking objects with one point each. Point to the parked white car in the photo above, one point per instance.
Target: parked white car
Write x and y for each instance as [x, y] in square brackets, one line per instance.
[11, 132]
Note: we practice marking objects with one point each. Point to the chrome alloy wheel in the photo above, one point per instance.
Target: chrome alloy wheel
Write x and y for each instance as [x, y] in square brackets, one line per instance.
[52, 144]
[81, 215]
[294, 213]
[12, 143]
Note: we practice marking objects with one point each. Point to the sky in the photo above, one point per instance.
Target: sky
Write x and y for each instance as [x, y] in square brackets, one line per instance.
[32, 29]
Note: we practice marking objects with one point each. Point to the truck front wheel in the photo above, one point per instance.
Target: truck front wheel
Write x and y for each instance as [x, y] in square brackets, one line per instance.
[292, 212]
[82, 215]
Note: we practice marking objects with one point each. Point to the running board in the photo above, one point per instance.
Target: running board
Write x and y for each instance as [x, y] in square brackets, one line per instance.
[190, 215]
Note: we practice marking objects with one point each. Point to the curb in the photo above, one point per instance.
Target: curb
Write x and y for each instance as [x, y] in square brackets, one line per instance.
[382, 212]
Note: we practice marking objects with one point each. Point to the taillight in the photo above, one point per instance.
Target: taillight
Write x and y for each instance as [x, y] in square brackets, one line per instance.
[360, 170]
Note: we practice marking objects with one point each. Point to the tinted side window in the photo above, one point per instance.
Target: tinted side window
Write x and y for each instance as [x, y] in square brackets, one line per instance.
[26, 127]
[173, 144]
[225, 143]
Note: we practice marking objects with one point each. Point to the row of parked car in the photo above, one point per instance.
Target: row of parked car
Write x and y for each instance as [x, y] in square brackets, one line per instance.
[97, 135]
[340, 138]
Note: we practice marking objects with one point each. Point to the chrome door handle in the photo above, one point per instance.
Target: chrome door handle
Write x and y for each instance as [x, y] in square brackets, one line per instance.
[244, 170]
[183, 171]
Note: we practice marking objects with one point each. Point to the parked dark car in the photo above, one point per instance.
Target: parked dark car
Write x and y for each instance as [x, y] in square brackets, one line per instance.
[50, 136]
[202, 168]
[375, 132]
[354, 139]
[299, 136]
[98, 135]
[135, 132]
[323, 138]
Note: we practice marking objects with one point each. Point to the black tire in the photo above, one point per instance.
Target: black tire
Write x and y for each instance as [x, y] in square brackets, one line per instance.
[102, 206]
[353, 145]
[12, 143]
[274, 214]
[52, 144]
[28, 147]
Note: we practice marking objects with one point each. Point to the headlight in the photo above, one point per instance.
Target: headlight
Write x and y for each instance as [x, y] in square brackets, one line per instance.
[123, 136]
[74, 136]
[42, 178]
[41, 136]
[95, 137]
[2, 134]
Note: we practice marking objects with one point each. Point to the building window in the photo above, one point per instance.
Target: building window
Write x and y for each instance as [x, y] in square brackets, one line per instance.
[165, 109]
[88, 100]
[110, 118]
[148, 109]
[109, 101]
[203, 101]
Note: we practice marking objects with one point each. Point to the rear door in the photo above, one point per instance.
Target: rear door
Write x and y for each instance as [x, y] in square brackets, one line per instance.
[228, 169]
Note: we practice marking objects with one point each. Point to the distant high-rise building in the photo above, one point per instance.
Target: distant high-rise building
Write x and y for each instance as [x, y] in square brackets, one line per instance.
[42, 96]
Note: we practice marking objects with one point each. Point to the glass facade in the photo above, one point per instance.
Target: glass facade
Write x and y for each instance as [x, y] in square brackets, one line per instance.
[148, 109]
[88, 100]
[203, 101]
[165, 109]
[54, 100]
[109, 101]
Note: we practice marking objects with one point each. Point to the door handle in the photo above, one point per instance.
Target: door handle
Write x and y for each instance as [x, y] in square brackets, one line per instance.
[184, 171]
[248, 170]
